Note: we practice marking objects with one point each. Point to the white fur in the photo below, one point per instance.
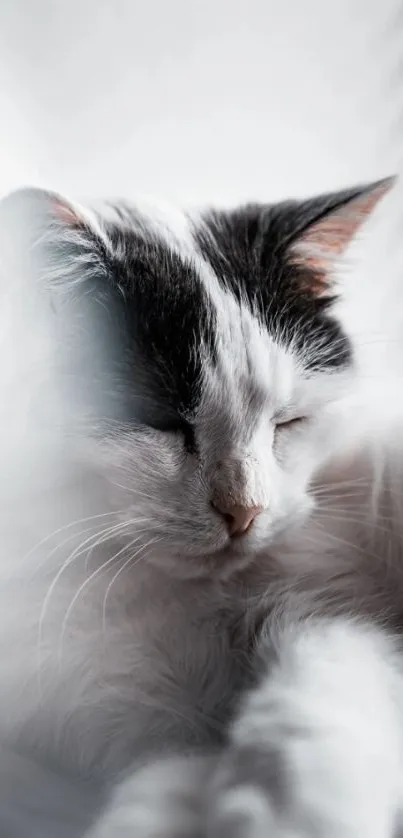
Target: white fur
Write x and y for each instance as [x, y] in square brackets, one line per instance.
[116, 643]
[329, 716]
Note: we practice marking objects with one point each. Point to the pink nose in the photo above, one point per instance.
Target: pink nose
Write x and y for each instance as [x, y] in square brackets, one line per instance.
[239, 519]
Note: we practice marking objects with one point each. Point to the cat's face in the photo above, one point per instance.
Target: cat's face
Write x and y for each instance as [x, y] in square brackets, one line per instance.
[224, 488]
[214, 363]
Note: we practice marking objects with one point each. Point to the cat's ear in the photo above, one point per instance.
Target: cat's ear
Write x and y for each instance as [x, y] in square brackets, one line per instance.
[326, 226]
[41, 209]
[38, 226]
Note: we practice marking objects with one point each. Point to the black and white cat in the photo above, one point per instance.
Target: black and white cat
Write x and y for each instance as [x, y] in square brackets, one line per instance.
[190, 596]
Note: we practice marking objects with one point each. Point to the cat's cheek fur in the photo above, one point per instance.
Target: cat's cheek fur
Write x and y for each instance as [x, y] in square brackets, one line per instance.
[157, 489]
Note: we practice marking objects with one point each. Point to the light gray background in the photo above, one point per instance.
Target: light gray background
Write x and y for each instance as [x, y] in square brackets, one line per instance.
[211, 100]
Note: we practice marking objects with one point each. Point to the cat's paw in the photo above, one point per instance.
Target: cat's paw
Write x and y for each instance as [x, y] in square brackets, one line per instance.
[162, 800]
[246, 798]
[242, 812]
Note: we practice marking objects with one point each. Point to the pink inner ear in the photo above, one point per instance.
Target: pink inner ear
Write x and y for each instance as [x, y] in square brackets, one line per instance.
[327, 239]
[334, 232]
[66, 214]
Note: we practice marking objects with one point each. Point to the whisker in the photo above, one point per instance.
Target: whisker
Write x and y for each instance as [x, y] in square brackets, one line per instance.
[341, 485]
[345, 543]
[132, 522]
[85, 584]
[366, 513]
[128, 562]
[78, 551]
[348, 519]
[346, 492]
[66, 527]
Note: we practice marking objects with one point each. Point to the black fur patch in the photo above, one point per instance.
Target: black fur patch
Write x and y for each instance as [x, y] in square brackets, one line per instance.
[139, 314]
[248, 251]
[163, 320]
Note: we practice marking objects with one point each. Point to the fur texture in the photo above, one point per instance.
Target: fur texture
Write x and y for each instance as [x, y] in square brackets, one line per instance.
[163, 367]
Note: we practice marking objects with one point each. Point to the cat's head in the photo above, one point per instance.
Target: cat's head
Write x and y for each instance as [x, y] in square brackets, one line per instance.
[209, 351]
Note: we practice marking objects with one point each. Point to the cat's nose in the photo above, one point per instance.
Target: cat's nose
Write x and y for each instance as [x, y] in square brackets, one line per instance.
[238, 519]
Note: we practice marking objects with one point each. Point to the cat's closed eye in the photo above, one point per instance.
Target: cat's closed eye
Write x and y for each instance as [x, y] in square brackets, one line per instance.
[184, 429]
[285, 424]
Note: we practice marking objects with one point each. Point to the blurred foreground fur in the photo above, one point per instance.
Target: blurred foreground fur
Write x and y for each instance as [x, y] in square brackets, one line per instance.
[41, 803]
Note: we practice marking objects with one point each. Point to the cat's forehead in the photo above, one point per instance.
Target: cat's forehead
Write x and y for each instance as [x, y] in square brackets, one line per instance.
[239, 252]
[150, 220]
[207, 320]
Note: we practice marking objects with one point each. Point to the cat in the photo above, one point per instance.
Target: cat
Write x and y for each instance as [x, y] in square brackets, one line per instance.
[176, 618]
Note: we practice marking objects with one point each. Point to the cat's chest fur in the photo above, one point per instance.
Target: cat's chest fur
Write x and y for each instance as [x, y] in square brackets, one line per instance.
[179, 662]
[162, 660]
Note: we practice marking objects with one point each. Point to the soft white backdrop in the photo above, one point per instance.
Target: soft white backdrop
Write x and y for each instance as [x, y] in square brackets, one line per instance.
[210, 100]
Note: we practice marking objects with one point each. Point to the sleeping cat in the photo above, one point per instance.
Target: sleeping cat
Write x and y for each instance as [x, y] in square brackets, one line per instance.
[173, 611]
